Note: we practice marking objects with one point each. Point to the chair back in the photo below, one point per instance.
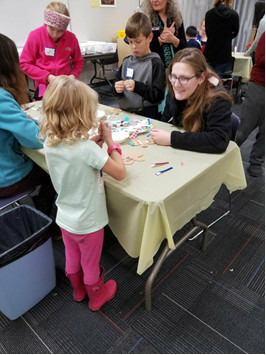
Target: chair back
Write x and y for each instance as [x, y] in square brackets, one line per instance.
[235, 121]
[6, 201]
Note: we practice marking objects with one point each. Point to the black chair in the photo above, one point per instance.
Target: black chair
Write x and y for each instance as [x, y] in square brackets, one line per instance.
[235, 121]
[14, 200]
[106, 62]
[227, 78]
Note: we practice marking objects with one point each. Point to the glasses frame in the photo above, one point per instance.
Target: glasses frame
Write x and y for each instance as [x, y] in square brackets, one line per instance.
[173, 81]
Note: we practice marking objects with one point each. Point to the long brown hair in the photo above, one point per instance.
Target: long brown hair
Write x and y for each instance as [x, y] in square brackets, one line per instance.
[172, 10]
[202, 98]
[12, 78]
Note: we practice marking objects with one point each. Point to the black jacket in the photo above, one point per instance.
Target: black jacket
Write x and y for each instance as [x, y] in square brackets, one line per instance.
[215, 135]
[179, 33]
[222, 25]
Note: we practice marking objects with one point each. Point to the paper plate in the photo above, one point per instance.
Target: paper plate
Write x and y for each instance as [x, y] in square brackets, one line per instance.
[100, 114]
[120, 137]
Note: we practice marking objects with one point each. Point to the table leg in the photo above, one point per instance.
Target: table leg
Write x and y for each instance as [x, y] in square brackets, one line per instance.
[167, 252]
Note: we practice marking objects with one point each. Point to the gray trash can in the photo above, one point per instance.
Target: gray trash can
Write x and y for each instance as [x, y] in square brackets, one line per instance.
[27, 269]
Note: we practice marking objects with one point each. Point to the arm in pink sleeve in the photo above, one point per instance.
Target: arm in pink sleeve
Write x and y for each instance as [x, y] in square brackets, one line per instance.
[77, 59]
[28, 60]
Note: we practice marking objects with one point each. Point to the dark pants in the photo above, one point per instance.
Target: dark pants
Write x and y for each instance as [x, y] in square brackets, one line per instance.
[37, 177]
[252, 115]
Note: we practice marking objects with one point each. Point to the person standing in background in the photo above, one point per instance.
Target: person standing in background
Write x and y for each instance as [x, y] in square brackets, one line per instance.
[201, 37]
[167, 27]
[222, 25]
[258, 28]
[51, 50]
[252, 113]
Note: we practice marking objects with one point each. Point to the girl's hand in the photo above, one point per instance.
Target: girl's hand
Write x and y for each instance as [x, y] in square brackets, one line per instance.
[119, 86]
[50, 78]
[129, 84]
[98, 140]
[72, 76]
[161, 137]
[106, 134]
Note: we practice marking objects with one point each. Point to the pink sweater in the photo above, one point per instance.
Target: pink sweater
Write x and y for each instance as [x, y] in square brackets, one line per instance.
[42, 56]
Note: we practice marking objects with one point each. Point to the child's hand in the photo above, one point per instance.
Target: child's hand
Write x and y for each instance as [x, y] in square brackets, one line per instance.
[129, 84]
[72, 76]
[106, 134]
[50, 78]
[98, 140]
[119, 86]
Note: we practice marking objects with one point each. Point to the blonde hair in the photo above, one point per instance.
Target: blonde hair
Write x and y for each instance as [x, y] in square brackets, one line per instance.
[172, 9]
[69, 111]
[202, 98]
[59, 7]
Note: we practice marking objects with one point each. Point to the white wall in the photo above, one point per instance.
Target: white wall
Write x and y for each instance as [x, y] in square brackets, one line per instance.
[19, 17]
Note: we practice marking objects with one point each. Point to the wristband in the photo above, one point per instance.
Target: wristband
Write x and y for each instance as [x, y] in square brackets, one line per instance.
[115, 146]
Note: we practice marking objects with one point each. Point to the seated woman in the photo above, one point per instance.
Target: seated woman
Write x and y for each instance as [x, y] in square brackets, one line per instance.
[18, 172]
[198, 103]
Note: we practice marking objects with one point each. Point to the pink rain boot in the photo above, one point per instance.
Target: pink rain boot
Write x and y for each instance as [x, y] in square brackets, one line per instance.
[76, 280]
[100, 292]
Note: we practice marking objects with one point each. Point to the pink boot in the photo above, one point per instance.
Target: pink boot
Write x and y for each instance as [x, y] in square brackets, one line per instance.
[100, 292]
[76, 280]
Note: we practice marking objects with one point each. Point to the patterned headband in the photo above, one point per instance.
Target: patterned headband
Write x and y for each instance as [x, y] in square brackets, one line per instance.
[55, 19]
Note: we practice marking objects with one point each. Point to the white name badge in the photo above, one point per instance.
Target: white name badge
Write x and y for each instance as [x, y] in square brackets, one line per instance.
[50, 52]
[155, 28]
[129, 73]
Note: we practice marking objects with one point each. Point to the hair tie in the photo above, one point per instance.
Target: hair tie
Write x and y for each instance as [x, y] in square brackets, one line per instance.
[55, 19]
[213, 81]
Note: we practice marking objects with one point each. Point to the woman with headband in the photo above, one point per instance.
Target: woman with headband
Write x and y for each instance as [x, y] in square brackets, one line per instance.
[50, 49]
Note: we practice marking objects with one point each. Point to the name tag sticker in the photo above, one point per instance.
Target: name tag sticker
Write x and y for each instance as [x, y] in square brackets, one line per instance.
[155, 28]
[129, 73]
[50, 52]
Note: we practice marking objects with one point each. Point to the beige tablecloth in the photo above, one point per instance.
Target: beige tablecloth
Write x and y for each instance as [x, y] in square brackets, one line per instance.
[144, 209]
[242, 66]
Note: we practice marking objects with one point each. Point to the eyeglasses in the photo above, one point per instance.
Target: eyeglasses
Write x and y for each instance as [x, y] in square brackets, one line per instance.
[183, 80]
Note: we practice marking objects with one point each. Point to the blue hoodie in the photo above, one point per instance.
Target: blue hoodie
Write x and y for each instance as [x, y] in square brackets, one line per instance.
[15, 129]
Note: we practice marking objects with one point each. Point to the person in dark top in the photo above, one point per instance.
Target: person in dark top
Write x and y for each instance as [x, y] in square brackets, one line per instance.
[140, 82]
[222, 25]
[252, 114]
[167, 27]
[191, 34]
[197, 102]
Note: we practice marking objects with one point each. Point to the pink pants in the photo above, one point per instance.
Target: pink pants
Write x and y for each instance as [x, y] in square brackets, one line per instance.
[83, 251]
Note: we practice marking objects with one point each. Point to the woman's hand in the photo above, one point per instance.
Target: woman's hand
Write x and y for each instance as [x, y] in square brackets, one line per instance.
[120, 86]
[168, 35]
[161, 137]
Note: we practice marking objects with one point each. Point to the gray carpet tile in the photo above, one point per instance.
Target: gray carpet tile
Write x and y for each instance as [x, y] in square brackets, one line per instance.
[177, 330]
[133, 343]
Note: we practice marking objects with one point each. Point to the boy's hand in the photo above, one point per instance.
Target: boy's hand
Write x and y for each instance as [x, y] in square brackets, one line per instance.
[119, 86]
[129, 84]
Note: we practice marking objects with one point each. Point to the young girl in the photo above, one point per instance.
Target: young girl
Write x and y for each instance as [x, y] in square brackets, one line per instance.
[51, 49]
[197, 102]
[75, 163]
[18, 172]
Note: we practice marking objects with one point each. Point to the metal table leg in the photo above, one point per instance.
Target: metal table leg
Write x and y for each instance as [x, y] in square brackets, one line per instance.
[167, 252]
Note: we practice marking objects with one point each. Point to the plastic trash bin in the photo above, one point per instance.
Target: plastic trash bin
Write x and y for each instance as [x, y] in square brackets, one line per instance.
[27, 268]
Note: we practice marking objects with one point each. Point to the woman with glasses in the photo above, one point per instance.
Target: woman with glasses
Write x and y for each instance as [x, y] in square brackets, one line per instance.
[197, 102]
